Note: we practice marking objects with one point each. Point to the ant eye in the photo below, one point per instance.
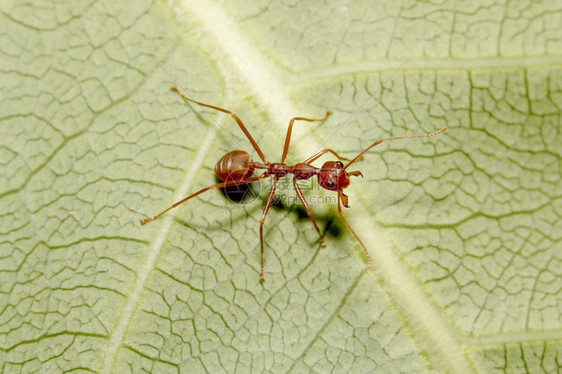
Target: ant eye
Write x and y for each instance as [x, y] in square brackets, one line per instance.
[340, 163]
[330, 184]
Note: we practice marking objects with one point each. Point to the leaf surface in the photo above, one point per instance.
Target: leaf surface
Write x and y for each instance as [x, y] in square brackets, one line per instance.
[464, 229]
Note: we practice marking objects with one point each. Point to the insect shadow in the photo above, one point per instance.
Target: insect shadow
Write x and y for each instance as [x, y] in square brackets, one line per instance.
[241, 193]
[327, 221]
[249, 193]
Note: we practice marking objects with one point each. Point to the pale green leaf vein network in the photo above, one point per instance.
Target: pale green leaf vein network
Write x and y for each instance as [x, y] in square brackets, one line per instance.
[156, 245]
[328, 321]
[266, 83]
[231, 49]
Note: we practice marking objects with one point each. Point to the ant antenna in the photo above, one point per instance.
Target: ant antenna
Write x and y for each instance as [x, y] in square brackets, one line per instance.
[395, 138]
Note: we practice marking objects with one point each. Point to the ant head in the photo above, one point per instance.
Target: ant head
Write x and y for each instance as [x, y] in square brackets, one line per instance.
[333, 176]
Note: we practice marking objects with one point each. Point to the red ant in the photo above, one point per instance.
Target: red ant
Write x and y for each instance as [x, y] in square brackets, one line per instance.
[237, 167]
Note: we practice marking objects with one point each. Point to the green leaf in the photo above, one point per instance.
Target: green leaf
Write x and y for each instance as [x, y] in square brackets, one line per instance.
[463, 229]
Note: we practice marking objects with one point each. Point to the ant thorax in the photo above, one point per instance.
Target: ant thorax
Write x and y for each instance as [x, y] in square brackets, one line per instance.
[278, 169]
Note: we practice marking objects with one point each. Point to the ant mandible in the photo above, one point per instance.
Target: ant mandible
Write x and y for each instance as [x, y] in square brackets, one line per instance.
[238, 168]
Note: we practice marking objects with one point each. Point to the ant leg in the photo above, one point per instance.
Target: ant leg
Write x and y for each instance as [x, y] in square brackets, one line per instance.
[215, 186]
[341, 196]
[238, 121]
[322, 153]
[303, 200]
[290, 129]
[264, 214]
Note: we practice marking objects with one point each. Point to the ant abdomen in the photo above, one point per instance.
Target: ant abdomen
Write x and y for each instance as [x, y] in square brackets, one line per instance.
[235, 166]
